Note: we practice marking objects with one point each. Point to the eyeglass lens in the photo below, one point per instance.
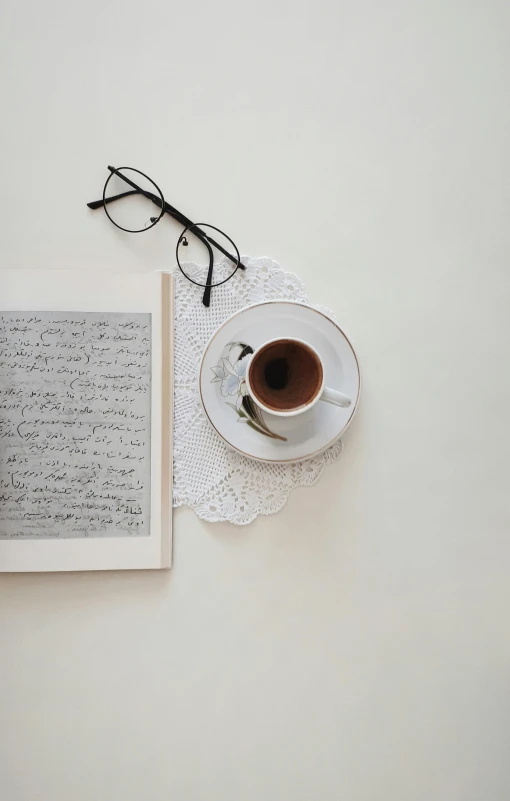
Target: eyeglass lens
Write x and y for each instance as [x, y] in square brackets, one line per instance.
[195, 247]
[135, 211]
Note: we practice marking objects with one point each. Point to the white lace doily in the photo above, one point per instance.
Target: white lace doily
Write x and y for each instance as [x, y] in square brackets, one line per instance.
[220, 484]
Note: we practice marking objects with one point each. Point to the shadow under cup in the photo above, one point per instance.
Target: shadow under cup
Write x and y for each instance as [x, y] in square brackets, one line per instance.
[285, 375]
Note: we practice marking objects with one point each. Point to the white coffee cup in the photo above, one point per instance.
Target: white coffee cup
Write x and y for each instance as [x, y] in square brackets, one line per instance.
[320, 392]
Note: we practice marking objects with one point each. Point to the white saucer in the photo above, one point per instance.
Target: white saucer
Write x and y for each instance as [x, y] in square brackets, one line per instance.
[222, 369]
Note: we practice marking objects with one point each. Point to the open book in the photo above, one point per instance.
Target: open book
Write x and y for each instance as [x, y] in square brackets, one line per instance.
[86, 369]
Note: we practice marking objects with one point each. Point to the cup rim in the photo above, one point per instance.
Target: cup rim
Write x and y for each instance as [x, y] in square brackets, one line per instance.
[284, 412]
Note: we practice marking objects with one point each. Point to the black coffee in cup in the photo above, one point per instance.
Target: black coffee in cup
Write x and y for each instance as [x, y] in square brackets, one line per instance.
[285, 375]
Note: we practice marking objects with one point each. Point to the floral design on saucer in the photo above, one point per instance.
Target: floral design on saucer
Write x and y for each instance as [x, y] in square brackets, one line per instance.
[230, 373]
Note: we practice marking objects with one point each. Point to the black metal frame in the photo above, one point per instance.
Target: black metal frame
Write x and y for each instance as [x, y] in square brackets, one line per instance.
[182, 239]
[190, 227]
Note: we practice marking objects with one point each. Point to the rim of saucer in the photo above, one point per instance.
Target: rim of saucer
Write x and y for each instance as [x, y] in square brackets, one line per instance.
[295, 459]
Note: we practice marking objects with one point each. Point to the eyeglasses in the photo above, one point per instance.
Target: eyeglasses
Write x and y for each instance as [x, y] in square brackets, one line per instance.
[208, 249]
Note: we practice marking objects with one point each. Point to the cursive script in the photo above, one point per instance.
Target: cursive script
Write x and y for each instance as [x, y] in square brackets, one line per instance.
[74, 424]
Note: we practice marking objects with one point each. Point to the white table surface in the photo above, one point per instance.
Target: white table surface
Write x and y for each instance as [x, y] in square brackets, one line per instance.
[357, 645]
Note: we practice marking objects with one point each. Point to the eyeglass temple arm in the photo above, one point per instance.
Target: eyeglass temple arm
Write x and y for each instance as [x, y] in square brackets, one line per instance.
[96, 204]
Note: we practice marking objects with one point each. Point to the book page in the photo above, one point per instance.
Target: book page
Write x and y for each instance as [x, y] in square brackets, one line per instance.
[75, 424]
[137, 391]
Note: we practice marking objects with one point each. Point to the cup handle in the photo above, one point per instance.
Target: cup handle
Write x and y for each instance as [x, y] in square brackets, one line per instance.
[336, 398]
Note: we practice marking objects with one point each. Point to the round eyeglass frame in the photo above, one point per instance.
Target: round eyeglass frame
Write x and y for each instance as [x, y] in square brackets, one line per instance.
[133, 230]
[185, 274]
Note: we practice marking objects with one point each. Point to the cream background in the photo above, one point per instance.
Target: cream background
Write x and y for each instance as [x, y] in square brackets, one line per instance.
[356, 646]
